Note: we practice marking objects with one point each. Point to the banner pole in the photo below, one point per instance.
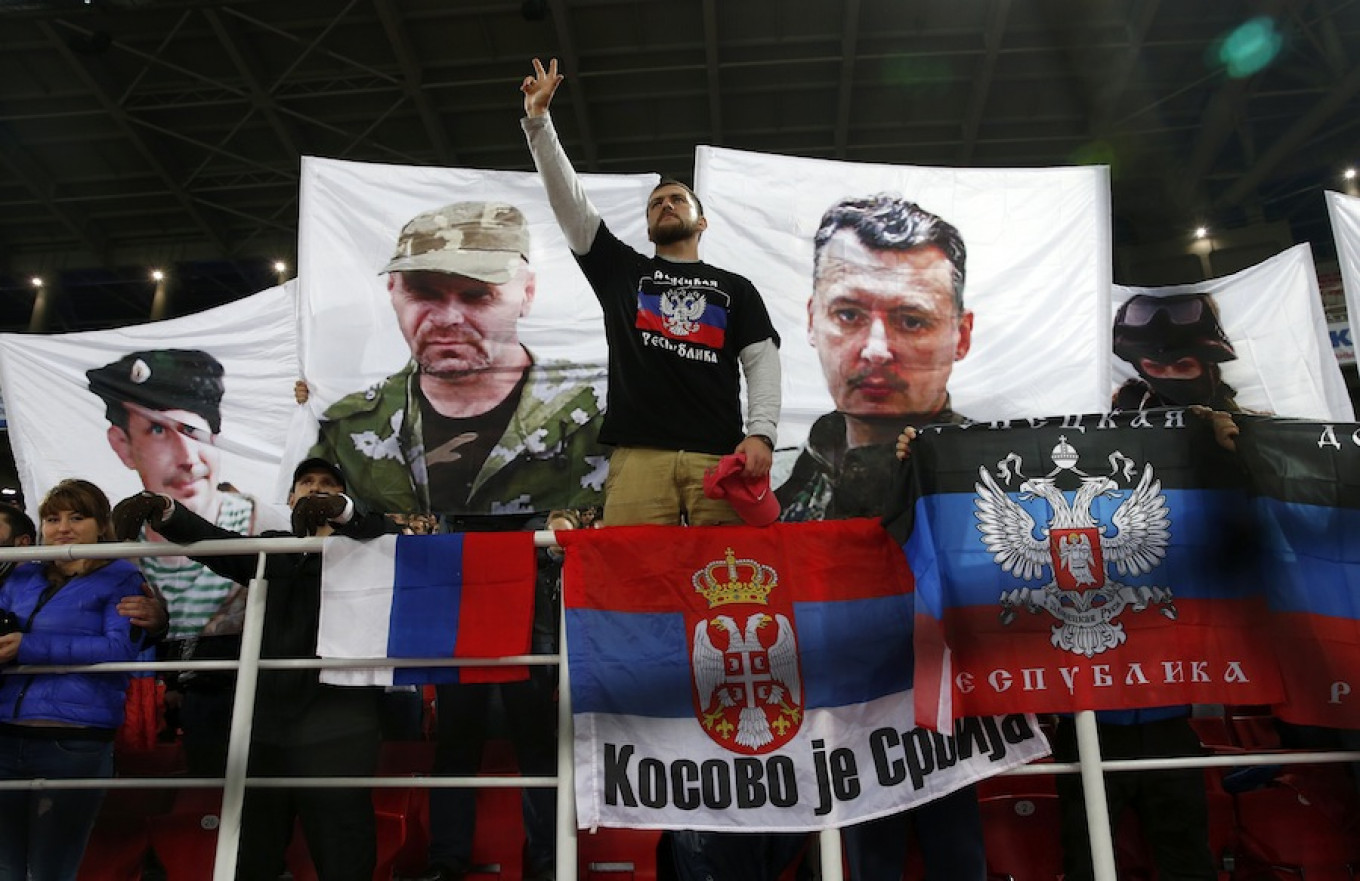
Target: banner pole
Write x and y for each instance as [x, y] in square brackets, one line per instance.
[1093, 791]
[242, 718]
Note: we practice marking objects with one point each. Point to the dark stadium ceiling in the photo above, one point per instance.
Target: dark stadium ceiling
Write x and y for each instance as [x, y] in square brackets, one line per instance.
[140, 133]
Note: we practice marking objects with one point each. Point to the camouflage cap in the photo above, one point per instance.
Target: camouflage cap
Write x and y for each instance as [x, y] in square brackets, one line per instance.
[481, 240]
[161, 379]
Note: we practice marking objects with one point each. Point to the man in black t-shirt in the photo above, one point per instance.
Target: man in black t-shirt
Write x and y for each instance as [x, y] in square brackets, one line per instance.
[681, 335]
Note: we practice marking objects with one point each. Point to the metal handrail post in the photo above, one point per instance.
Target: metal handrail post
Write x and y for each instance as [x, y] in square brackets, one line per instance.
[829, 843]
[566, 761]
[242, 718]
[1093, 790]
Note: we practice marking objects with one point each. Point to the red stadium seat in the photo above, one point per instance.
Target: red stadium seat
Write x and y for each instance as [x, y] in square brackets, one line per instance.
[1303, 825]
[1213, 733]
[1021, 835]
[497, 847]
[617, 855]
[119, 843]
[185, 839]
[1252, 728]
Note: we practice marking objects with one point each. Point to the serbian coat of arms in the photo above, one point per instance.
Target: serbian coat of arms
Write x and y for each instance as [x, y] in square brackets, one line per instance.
[1074, 552]
[747, 687]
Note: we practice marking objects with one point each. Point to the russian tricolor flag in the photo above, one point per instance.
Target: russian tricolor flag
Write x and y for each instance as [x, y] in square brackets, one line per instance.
[427, 596]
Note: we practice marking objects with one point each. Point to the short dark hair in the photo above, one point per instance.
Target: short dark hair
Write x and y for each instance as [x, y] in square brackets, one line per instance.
[20, 524]
[82, 497]
[672, 182]
[885, 222]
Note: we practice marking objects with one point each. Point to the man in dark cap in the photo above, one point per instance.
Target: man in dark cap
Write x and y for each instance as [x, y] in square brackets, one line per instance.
[1176, 344]
[302, 728]
[474, 424]
[164, 412]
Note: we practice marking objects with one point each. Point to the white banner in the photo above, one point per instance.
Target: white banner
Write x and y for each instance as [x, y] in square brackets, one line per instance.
[1345, 214]
[350, 218]
[847, 765]
[1038, 271]
[59, 428]
[1272, 316]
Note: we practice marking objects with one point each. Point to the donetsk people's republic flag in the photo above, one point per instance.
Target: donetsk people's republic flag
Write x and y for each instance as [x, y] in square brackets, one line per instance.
[734, 677]
[1307, 476]
[1098, 562]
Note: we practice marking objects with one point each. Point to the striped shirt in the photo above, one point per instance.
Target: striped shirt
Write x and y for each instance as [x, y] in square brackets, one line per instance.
[192, 591]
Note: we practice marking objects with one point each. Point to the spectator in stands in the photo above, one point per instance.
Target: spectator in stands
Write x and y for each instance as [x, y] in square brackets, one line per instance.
[682, 335]
[164, 412]
[146, 610]
[301, 727]
[57, 726]
[16, 531]
[531, 714]
[1175, 344]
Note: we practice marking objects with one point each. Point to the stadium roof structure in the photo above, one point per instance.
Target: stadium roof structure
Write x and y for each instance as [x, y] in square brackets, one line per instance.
[168, 133]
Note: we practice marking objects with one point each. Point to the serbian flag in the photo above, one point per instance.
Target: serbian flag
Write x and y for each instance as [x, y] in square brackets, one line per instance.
[735, 677]
[1307, 476]
[426, 596]
[1097, 562]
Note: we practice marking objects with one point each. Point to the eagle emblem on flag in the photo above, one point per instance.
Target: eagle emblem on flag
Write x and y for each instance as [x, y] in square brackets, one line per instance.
[1077, 555]
[747, 686]
[681, 310]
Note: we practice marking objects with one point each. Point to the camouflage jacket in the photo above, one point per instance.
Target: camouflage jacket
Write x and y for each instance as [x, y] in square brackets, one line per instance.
[548, 457]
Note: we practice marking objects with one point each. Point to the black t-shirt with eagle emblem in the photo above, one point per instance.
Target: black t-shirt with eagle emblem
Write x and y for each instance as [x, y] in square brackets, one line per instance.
[675, 331]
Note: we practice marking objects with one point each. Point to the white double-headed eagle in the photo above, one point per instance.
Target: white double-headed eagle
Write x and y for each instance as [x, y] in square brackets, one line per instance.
[681, 310]
[713, 681]
[1133, 543]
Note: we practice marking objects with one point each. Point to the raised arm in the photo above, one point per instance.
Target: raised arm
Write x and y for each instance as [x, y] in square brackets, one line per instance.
[575, 214]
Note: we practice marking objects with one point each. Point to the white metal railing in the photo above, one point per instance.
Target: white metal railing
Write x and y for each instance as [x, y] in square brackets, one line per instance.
[1090, 765]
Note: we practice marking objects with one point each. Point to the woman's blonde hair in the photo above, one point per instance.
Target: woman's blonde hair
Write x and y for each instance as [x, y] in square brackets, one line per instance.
[571, 515]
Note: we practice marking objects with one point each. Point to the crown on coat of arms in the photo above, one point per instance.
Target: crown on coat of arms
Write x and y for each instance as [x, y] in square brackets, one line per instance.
[735, 581]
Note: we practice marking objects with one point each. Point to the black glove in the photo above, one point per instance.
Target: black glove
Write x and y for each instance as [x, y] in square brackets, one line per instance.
[133, 511]
[312, 512]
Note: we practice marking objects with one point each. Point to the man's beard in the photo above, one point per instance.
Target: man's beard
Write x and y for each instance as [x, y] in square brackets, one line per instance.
[430, 368]
[476, 360]
[674, 232]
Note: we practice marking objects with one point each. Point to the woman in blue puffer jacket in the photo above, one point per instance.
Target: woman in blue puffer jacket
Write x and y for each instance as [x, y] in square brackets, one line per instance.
[61, 725]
